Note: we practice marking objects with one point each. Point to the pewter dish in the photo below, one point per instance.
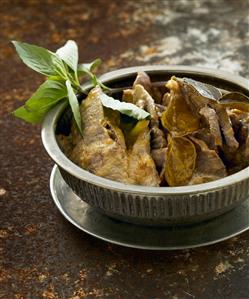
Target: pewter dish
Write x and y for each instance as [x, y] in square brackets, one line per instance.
[150, 205]
[89, 220]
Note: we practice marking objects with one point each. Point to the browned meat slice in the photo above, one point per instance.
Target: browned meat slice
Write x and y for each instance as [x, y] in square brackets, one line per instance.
[237, 117]
[159, 157]
[240, 159]
[205, 135]
[156, 92]
[128, 95]
[102, 149]
[142, 169]
[243, 151]
[199, 103]
[144, 80]
[227, 128]
[212, 121]
[142, 98]
[209, 166]
[157, 137]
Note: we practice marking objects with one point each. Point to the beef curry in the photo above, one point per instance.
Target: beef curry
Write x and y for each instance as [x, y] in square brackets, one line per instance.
[195, 134]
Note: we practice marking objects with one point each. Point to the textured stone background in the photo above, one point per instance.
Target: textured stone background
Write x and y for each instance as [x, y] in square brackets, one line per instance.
[41, 254]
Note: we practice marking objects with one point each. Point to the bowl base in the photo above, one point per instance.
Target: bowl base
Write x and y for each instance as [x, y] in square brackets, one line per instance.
[89, 220]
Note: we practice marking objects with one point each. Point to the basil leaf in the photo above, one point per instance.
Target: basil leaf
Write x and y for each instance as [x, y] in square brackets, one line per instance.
[45, 98]
[123, 107]
[29, 116]
[69, 54]
[73, 101]
[40, 59]
[87, 68]
[96, 82]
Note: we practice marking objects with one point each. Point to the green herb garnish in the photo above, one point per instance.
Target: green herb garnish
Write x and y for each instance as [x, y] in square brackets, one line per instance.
[123, 107]
[62, 84]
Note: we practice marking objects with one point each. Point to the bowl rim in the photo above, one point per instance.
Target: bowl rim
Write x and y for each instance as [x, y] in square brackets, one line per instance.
[54, 151]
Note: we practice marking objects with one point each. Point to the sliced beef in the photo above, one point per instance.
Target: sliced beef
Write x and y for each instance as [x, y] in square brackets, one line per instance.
[212, 121]
[227, 128]
[128, 95]
[205, 135]
[144, 80]
[102, 149]
[142, 169]
[159, 157]
[142, 98]
[209, 166]
[240, 159]
[157, 137]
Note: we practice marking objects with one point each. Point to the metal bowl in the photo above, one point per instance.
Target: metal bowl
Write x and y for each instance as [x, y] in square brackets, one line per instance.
[150, 205]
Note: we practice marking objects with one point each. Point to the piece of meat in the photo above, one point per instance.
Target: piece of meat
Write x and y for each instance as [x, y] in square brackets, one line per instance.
[209, 166]
[102, 149]
[159, 157]
[226, 128]
[240, 159]
[141, 95]
[142, 98]
[237, 118]
[128, 95]
[198, 103]
[243, 151]
[212, 121]
[142, 169]
[205, 135]
[235, 122]
[157, 93]
[144, 80]
[157, 137]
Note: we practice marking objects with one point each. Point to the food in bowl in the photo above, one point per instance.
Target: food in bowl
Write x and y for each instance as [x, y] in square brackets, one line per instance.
[193, 134]
[182, 133]
[148, 205]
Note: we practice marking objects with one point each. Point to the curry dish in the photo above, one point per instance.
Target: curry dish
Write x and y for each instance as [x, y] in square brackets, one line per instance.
[195, 134]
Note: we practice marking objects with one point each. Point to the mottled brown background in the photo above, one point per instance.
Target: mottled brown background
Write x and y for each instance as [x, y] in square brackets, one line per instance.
[42, 255]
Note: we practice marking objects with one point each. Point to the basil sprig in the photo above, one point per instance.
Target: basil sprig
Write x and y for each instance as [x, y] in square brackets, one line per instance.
[62, 83]
[61, 69]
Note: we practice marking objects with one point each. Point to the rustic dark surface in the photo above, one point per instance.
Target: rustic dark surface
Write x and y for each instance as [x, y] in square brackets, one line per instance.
[42, 255]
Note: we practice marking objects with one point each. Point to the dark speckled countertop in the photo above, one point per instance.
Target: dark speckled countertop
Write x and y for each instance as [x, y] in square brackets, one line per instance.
[42, 255]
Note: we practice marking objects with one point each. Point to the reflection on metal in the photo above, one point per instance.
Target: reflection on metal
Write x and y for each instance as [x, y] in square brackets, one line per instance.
[89, 220]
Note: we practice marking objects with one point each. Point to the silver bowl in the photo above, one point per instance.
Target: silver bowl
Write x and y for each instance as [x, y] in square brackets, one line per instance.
[150, 205]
